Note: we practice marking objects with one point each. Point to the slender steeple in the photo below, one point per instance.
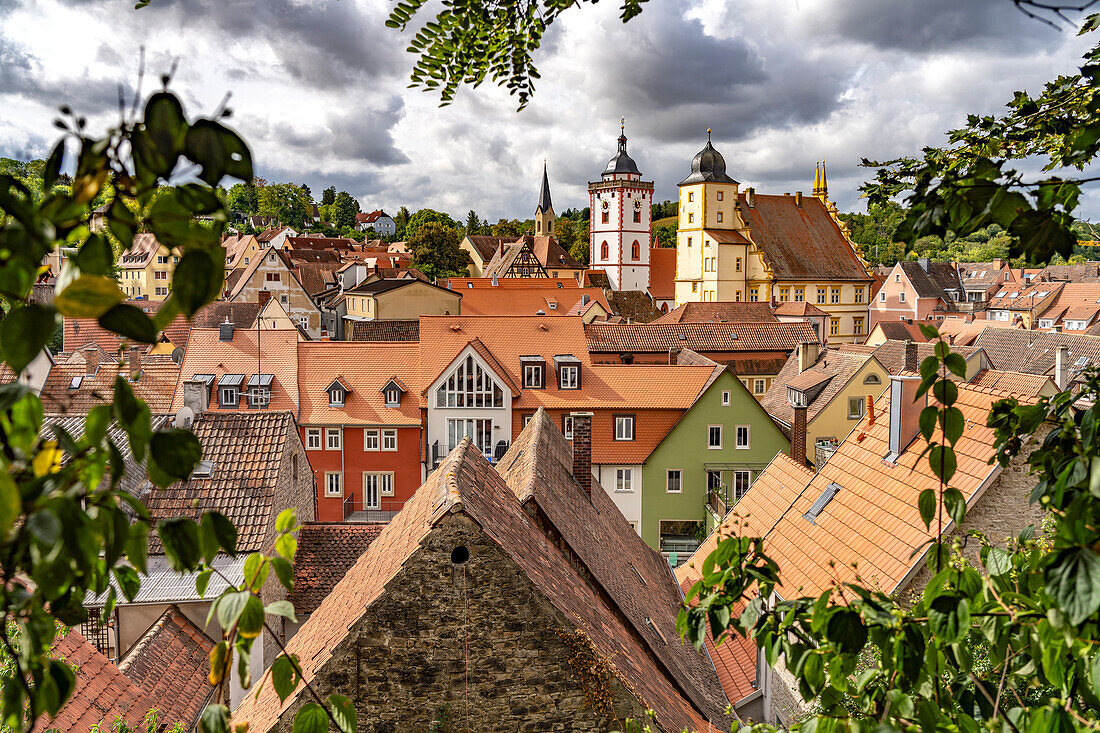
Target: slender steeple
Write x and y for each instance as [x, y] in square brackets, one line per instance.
[821, 185]
[544, 212]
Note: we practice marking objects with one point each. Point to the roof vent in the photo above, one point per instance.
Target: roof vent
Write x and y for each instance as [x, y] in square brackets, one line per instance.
[822, 501]
[540, 312]
[682, 337]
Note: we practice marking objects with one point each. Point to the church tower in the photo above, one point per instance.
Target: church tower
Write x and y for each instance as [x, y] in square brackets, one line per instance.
[544, 212]
[619, 234]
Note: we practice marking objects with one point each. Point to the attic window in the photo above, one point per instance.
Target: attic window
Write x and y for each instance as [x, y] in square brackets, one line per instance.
[74, 383]
[822, 501]
[229, 390]
[393, 397]
[336, 397]
[553, 304]
[796, 397]
[1042, 293]
[205, 469]
[259, 391]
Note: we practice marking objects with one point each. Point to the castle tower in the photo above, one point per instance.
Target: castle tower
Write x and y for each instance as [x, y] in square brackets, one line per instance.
[619, 234]
[544, 212]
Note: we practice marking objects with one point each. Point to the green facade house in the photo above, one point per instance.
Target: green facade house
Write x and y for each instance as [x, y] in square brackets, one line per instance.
[705, 463]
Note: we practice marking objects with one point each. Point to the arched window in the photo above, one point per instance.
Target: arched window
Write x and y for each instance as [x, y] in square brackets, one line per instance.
[635, 251]
[872, 379]
[603, 251]
[469, 386]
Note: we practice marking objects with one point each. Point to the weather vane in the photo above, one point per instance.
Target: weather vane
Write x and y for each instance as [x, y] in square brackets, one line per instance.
[622, 124]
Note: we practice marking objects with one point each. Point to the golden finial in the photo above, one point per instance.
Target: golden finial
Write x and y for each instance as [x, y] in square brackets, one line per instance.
[622, 125]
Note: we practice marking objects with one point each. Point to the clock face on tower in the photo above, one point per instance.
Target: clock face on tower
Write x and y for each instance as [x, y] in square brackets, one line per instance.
[605, 204]
[637, 204]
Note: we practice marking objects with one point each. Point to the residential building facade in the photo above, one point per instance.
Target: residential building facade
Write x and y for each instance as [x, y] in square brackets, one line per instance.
[145, 268]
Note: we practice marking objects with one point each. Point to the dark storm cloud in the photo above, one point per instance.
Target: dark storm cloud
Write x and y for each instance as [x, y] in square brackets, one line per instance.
[361, 137]
[21, 74]
[924, 26]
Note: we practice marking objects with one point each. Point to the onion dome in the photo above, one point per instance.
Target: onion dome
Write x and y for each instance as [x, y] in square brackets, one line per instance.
[708, 166]
[622, 163]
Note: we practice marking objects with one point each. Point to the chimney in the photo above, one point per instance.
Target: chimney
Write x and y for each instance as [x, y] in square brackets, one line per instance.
[264, 296]
[808, 352]
[798, 435]
[911, 362]
[582, 450]
[1061, 367]
[924, 263]
[196, 395]
[798, 199]
[135, 361]
[91, 361]
[905, 411]
[870, 410]
[226, 332]
[998, 264]
[750, 196]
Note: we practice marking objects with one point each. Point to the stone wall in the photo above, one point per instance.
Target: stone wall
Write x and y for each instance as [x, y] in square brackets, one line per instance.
[467, 646]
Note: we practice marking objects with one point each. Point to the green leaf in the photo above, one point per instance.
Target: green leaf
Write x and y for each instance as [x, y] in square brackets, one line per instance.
[251, 621]
[24, 332]
[53, 166]
[89, 296]
[202, 582]
[231, 605]
[128, 581]
[95, 256]
[219, 151]
[286, 520]
[955, 504]
[956, 364]
[284, 571]
[926, 502]
[176, 452]
[311, 718]
[952, 422]
[256, 569]
[215, 719]
[998, 562]
[130, 321]
[344, 713]
[284, 677]
[949, 617]
[181, 541]
[927, 421]
[286, 546]
[282, 608]
[165, 127]
[197, 280]
[224, 531]
[1073, 580]
[942, 461]
[847, 631]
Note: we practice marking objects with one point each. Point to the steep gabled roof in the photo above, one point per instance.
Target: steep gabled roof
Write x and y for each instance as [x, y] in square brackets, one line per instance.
[834, 368]
[933, 282]
[662, 273]
[364, 367]
[171, 663]
[801, 242]
[1034, 352]
[465, 483]
[325, 552]
[155, 385]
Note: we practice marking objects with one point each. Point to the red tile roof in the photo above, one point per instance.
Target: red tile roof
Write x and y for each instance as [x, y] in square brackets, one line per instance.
[660, 337]
[366, 367]
[155, 385]
[662, 273]
[551, 301]
[726, 312]
[171, 663]
[325, 552]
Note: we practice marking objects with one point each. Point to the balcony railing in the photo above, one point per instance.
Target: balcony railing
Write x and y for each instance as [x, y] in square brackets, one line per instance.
[384, 511]
[718, 500]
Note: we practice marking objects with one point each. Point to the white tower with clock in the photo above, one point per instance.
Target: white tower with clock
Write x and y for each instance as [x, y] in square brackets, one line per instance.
[619, 235]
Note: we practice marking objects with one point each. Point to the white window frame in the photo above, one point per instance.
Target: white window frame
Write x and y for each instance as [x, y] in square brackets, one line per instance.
[625, 421]
[385, 483]
[679, 481]
[624, 480]
[330, 435]
[567, 427]
[862, 407]
[533, 376]
[901, 296]
[725, 398]
[710, 437]
[336, 397]
[372, 439]
[234, 391]
[389, 440]
[759, 386]
[569, 376]
[739, 474]
[737, 437]
[313, 439]
[393, 397]
[339, 482]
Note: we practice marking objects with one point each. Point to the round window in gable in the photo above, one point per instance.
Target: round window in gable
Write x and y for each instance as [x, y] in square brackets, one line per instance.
[459, 555]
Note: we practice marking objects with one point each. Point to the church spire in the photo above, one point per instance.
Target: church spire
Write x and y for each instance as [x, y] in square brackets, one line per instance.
[821, 185]
[544, 212]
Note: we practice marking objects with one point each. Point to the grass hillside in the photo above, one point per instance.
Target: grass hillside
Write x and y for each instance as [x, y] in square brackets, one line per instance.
[667, 221]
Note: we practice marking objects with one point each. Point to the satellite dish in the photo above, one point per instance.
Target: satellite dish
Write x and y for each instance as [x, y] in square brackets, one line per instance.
[177, 354]
[184, 417]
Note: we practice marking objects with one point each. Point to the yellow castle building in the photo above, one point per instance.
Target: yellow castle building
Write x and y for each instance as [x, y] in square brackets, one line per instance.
[734, 245]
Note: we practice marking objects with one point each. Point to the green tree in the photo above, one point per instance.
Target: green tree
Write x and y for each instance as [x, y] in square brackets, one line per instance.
[344, 209]
[565, 231]
[244, 197]
[580, 249]
[287, 203]
[664, 236]
[401, 220]
[874, 232]
[473, 223]
[436, 252]
[423, 217]
[511, 228]
[328, 196]
[68, 530]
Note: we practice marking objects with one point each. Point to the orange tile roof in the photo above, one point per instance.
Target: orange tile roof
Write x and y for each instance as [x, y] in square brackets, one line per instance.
[171, 663]
[366, 367]
[155, 385]
[662, 272]
[276, 354]
[552, 301]
[508, 283]
[659, 337]
[1018, 384]
[102, 692]
[325, 552]
[466, 483]
[724, 312]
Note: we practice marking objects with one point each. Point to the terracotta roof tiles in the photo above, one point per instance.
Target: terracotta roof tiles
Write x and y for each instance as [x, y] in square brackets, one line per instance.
[739, 312]
[366, 368]
[325, 552]
[658, 337]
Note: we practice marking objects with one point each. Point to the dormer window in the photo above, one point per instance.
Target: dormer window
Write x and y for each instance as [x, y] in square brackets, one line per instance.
[392, 392]
[229, 390]
[796, 397]
[534, 372]
[569, 371]
[259, 391]
[338, 392]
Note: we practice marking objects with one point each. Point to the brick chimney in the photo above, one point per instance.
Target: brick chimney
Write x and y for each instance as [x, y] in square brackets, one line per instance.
[798, 199]
[134, 357]
[1061, 367]
[912, 364]
[91, 361]
[582, 450]
[264, 296]
[808, 352]
[798, 435]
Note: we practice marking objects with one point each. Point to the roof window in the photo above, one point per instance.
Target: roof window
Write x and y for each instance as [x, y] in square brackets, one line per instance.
[75, 382]
[205, 469]
[822, 501]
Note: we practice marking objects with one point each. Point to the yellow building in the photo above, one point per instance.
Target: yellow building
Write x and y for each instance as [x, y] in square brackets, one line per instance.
[145, 269]
[399, 299]
[734, 245]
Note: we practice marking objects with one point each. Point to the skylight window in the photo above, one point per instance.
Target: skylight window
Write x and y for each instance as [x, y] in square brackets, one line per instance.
[75, 382]
[1042, 293]
[1000, 294]
[822, 501]
[1013, 295]
[205, 469]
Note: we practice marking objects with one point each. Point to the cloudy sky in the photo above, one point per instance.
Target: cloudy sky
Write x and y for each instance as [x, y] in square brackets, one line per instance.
[319, 90]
